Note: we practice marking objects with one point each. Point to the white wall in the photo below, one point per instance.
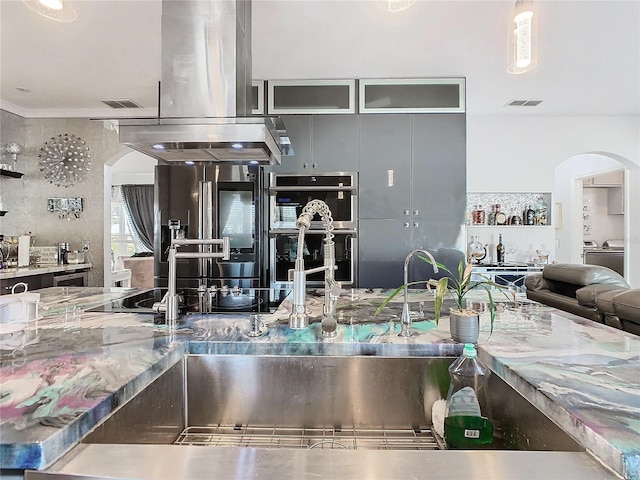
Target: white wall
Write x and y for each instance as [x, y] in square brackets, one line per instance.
[603, 225]
[513, 153]
[134, 168]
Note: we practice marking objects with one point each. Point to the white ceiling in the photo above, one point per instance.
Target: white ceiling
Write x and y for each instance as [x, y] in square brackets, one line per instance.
[589, 62]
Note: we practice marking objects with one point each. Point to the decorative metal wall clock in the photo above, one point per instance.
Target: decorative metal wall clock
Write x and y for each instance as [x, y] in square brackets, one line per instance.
[65, 160]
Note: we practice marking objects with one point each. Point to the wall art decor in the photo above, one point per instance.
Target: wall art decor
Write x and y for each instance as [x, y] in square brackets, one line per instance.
[65, 160]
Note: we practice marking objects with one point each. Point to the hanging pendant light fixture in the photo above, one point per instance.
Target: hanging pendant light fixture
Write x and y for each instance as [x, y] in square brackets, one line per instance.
[58, 10]
[522, 34]
[396, 5]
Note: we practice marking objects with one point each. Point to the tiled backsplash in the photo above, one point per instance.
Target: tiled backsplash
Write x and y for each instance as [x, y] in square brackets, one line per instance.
[510, 204]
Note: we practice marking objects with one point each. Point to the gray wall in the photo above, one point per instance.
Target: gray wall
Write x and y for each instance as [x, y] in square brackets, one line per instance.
[26, 198]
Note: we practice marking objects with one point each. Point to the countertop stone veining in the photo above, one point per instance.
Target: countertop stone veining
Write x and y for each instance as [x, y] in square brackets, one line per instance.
[18, 272]
[63, 374]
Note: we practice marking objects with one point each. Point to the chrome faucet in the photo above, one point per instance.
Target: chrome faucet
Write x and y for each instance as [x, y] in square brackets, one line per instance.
[170, 302]
[405, 321]
[299, 317]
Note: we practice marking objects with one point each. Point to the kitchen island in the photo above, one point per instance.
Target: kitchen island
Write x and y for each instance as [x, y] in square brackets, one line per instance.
[76, 367]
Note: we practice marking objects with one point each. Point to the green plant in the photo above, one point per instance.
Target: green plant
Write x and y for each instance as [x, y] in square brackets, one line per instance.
[457, 287]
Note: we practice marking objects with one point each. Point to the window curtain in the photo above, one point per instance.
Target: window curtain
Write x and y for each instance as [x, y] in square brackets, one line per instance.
[139, 202]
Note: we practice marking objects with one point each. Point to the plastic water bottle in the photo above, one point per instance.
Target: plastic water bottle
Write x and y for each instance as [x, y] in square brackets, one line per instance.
[468, 411]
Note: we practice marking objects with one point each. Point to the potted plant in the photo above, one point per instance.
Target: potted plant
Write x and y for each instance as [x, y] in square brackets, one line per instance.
[464, 322]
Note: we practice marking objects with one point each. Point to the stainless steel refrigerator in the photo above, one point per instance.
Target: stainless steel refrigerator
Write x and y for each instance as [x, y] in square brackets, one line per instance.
[212, 201]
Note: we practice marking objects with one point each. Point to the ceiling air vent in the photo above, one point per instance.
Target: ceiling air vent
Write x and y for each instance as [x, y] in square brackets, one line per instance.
[121, 103]
[523, 103]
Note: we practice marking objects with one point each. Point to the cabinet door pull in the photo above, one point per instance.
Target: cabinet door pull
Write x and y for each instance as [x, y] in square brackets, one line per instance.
[406, 224]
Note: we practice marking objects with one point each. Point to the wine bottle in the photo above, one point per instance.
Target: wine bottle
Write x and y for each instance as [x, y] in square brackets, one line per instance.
[500, 250]
[531, 216]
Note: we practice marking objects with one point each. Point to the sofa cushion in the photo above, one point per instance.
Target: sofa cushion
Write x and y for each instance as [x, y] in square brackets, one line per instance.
[627, 305]
[535, 281]
[582, 275]
[587, 295]
[604, 301]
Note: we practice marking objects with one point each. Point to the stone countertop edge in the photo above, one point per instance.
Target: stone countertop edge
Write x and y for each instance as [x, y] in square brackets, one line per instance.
[526, 368]
[40, 455]
[7, 273]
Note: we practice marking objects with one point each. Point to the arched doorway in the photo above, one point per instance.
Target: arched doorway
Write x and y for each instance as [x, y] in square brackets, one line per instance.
[569, 176]
[126, 166]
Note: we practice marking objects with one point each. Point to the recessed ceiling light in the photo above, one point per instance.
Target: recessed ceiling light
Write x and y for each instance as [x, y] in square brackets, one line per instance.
[158, 146]
[237, 146]
[189, 162]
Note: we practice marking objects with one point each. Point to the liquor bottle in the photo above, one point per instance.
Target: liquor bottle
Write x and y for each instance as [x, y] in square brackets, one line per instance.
[474, 215]
[542, 219]
[500, 250]
[530, 216]
[481, 215]
[476, 251]
[500, 217]
[491, 219]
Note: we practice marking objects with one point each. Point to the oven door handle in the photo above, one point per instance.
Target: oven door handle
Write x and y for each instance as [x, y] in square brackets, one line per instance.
[346, 188]
[312, 231]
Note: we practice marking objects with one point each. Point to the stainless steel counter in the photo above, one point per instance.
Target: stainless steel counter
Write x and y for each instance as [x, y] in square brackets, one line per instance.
[155, 462]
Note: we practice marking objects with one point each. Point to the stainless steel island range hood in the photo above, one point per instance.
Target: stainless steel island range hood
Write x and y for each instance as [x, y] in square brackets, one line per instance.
[205, 99]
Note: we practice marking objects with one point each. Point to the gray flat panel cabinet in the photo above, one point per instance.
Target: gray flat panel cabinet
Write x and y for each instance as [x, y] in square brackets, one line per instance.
[425, 207]
[322, 143]
[385, 166]
[334, 145]
[299, 131]
[439, 180]
[383, 245]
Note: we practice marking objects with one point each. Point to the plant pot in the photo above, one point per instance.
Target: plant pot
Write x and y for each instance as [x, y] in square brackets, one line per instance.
[464, 327]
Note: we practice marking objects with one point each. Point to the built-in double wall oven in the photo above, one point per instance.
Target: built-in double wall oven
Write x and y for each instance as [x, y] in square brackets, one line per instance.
[288, 194]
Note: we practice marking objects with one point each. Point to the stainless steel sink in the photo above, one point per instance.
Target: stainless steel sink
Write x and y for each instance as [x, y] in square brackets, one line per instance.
[313, 417]
[319, 402]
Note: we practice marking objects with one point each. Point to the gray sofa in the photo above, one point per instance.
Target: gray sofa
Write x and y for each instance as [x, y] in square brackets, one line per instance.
[590, 291]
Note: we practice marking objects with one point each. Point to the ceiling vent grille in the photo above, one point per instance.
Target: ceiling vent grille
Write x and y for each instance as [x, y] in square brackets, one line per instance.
[523, 103]
[121, 103]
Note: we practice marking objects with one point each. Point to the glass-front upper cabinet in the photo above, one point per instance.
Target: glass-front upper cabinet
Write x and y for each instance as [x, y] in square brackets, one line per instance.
[311, 96]
[257, 97]
[407, 95]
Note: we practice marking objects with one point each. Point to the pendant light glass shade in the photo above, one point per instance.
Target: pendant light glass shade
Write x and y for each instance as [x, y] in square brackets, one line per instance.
[395, 5]
[522, 35]
[58, 10]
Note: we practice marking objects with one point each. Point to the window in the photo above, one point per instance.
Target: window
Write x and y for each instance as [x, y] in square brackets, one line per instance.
[124, 242]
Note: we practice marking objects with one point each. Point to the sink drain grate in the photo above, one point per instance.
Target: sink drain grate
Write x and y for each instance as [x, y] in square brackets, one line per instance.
[308, 438]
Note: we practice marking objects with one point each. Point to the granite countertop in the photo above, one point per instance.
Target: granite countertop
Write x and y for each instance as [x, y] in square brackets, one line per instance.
[64, 373]
[17, 272]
